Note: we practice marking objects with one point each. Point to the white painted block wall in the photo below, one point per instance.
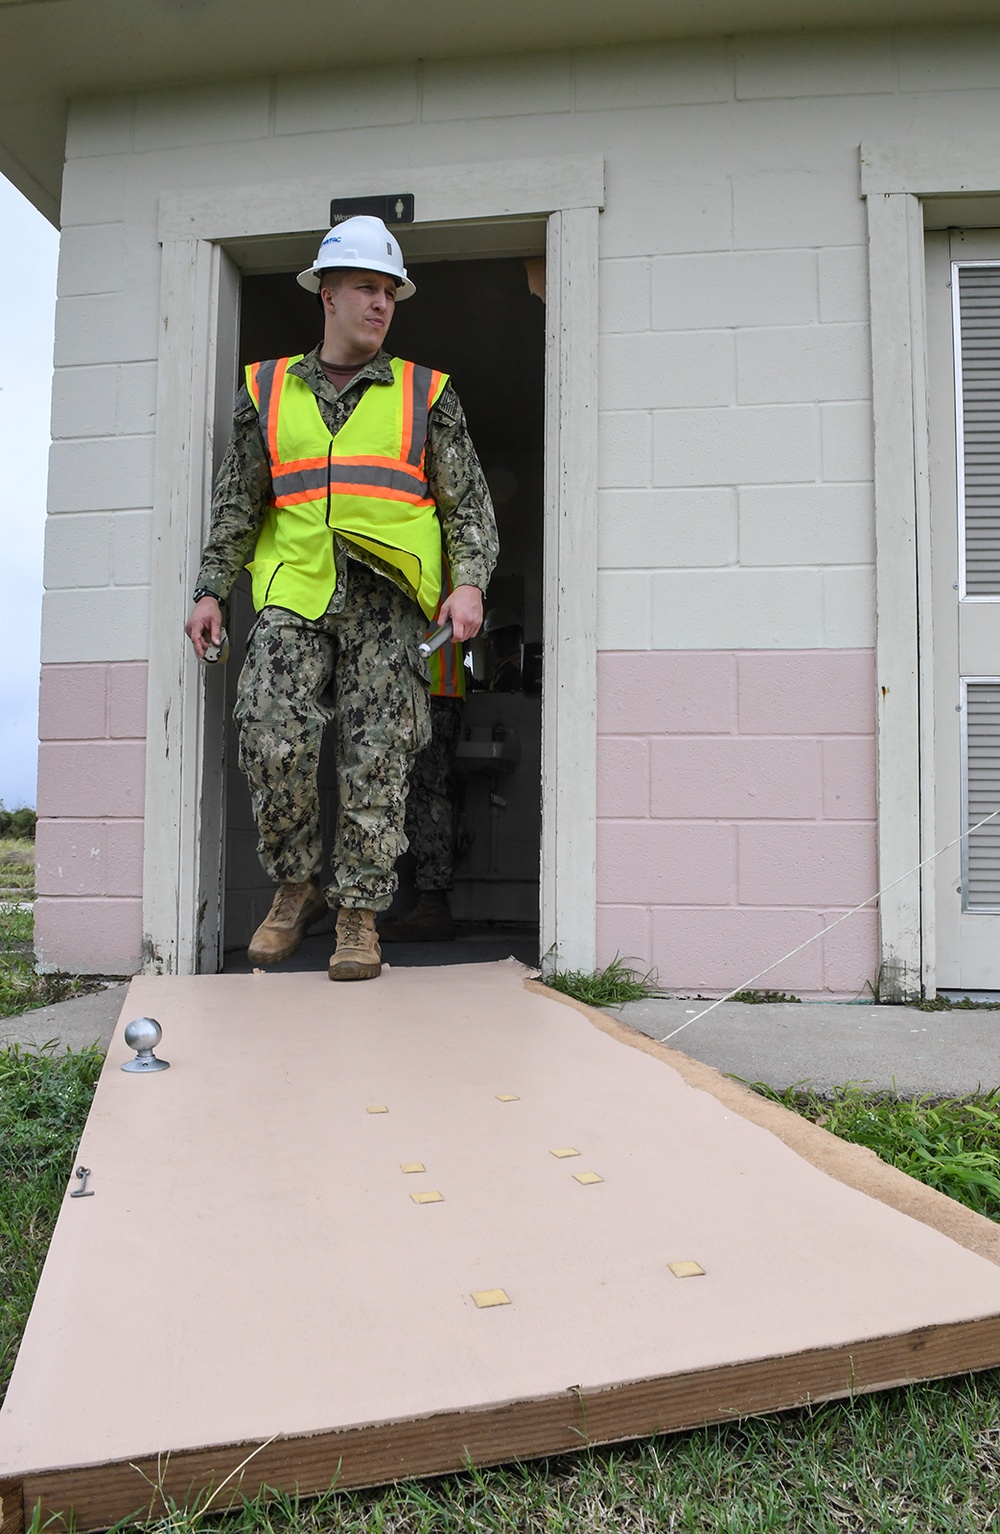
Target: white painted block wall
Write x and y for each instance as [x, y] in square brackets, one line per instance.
[735, 431]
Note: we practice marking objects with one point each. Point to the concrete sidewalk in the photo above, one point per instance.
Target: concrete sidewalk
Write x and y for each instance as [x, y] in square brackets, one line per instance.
[823, 1044]
[827, 1044]
[73, 1025]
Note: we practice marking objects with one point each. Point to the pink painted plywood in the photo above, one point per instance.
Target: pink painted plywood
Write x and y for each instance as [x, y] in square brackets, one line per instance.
[253, 1262]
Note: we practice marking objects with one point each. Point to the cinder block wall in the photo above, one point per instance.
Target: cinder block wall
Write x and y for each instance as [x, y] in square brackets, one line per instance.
[95, 627]
[91, 765]
[736, 608]
[738, 798]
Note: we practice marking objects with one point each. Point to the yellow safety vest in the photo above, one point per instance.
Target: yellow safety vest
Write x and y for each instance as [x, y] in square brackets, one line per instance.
[368, 482]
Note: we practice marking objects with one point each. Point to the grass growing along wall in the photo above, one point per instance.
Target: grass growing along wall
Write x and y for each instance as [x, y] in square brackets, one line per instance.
[21, 986]
[611, 986]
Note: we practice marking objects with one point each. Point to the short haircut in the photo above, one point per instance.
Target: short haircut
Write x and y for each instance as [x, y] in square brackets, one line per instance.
[331, 277]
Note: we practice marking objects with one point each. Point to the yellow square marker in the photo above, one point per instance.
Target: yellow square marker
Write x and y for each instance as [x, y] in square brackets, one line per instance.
[686, 1269]
[413, 1166]
[564, 1150]
[587, 1177]
[432, 1197]
[508, 1097]
[485, 1298]
[377, 1108]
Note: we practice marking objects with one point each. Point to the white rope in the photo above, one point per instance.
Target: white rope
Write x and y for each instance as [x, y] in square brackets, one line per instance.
[824, 930]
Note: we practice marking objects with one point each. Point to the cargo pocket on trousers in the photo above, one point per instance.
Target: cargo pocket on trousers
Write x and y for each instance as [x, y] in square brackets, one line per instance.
[421, 686]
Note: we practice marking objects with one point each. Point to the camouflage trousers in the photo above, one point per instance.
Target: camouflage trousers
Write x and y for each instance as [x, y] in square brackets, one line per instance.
[358, 672]
[430, 810]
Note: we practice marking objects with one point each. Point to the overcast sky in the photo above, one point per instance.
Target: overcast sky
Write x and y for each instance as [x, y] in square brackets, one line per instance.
[27, 308]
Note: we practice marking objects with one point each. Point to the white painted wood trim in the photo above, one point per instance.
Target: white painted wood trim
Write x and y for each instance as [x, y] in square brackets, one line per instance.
[443, 194]
[950, 165]
[175, 706]
[209, 919]
[182, 886]
[569, 699]
[183, 804]
[917, 282]
[898, 729]
[897, 179]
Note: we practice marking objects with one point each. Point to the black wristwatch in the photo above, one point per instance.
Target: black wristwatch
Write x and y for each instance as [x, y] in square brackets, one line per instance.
[206, 591]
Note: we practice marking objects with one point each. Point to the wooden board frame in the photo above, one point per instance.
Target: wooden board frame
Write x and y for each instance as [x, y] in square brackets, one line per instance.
[99, 1495]
[102, 1494]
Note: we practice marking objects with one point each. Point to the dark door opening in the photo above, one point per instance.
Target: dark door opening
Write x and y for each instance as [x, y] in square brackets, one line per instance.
[478, 321]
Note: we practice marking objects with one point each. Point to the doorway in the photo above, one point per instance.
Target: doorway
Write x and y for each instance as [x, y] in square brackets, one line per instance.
[477, 320]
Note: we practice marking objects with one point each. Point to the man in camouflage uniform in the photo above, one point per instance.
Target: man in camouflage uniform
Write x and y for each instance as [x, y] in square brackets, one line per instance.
[356, 665]
[430, 831]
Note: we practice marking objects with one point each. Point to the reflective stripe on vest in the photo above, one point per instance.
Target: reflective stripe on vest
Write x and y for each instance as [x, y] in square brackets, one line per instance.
[447, 672]
[447, 665]
[378, 498]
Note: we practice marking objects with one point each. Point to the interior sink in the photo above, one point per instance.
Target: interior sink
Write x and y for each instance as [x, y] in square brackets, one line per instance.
[487, 750]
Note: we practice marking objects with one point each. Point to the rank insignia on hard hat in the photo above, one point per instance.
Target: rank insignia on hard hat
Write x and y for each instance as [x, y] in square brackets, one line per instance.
[358, 243]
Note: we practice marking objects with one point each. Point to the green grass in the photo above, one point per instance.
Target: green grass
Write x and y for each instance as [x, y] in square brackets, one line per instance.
[44, 1101]
[964, 1004]
[17, 867]
[608, 987]
[921, 1460]
[763, 998]
[951, 1144]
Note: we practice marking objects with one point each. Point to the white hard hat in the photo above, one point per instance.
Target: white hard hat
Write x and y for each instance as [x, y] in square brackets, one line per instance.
[363, 242]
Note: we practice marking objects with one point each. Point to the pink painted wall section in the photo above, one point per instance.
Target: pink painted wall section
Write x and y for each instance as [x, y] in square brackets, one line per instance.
[736, 816]
[91, 782]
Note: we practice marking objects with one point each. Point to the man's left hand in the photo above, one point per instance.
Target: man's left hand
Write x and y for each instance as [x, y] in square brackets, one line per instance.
[465, 609]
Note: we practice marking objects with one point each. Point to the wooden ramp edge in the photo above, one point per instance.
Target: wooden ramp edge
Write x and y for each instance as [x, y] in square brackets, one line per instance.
[100, 1495]
[853, 1165]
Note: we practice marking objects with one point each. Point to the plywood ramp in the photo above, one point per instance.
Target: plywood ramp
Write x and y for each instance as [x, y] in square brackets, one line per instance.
[258, 1269]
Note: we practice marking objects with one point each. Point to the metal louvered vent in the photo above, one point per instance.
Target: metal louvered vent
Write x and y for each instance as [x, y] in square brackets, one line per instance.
[979, 425]
[981, 878]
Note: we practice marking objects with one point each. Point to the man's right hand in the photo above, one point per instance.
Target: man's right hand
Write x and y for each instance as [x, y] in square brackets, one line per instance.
[204, 627]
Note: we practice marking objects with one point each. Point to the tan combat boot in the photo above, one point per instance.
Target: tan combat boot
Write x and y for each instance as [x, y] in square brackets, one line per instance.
[429, 921]
[358, 956]
[294, 908]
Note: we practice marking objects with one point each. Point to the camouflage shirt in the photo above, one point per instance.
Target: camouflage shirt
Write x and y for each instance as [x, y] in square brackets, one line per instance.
[457, 484]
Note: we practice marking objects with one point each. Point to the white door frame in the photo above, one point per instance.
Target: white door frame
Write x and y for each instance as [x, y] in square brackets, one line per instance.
[908, 186]
[198, 305]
